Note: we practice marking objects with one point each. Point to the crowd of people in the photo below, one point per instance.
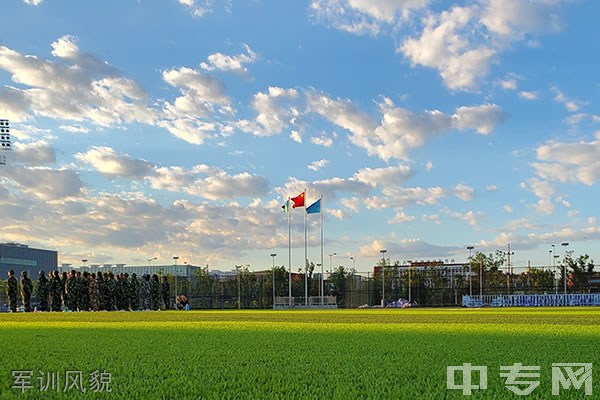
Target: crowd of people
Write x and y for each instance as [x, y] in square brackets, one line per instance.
[76, 291]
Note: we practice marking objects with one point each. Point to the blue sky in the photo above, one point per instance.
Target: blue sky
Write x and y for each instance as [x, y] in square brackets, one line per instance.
[152, 129]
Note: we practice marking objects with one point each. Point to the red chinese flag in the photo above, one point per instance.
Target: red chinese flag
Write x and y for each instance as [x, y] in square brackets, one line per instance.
[298, 200]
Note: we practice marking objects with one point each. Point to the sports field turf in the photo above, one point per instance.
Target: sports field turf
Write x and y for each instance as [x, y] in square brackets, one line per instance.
[335, 354]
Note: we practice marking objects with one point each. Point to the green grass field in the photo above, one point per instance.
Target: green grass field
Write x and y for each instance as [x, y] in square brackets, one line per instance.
[336, 354]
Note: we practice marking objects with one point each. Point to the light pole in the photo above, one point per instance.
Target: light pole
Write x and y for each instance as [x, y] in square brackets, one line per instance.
[470, 248]
[508, 254]
[353, 280]
[323, 278]
[150, 260]
[237, 267]
[175, 258]
[383, 278]
[553, 252]
[84, 261]
[565, 265]
[273, 283]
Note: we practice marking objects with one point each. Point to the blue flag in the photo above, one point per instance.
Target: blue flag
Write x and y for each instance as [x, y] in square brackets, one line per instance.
[314, 208]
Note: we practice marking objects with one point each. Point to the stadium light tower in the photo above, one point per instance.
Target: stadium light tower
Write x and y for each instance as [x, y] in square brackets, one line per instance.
[5, 143]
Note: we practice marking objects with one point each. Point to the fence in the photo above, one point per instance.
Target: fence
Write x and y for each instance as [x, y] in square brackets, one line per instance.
[532, 300]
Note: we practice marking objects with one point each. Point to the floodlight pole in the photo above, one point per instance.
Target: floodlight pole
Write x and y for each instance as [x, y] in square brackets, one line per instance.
[470, 248]
[383, 278]
[273, 283]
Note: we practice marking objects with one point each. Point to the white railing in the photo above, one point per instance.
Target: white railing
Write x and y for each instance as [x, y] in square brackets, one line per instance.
[532, 300]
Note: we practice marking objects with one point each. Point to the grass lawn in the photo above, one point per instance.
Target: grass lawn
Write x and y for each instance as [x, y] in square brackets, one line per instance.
[333, 354]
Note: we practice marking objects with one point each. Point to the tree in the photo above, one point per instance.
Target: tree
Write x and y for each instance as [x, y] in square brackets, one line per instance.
[337, 283]
[580, 273]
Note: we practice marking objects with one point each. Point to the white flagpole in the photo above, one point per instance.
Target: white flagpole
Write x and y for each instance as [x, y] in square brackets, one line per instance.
[305, 254]
[322, 242]
[287, 206]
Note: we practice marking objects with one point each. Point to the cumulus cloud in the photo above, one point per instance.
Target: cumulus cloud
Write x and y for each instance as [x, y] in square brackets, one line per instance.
[33, 2]
[409, 249]
[275, 110]
[462, 42]
[323, 140]
[401, 130]
[364, 16]
[75, 86]
[208, 182]
[317, 165]
[528, 95]
[108, 162]
[570, 104]
[230, 63]
[575, 162]
[198, 8]
[401, 218]
[35, 153]
[45, 183]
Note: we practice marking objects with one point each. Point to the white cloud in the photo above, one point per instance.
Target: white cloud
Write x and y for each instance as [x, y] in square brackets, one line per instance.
[491, 188]
[199, 8]
[401, 218]
[364, 16]
[528, 95]
[401, 130]
[34, 2]
[462, 42]
[428, 165]
[508, 209]
[106, 161]
[409, 249]
[74, 128]
[570, 104]
[432, 218]
[384, 177]
[575, 162]
[230, 63]
[317, 165]
[296, 136]
[324, 141]
[208, 182]
[509, 84]
[75, 87]
[46, 183]
[35, 153]
[275, 112]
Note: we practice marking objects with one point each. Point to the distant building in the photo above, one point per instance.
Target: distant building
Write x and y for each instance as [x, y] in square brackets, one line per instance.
[21, 257]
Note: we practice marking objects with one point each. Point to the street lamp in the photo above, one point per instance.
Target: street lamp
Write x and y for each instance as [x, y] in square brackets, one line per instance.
[175, 258]
[237, 267]
[273, 283]
[383, 278]
[322, 278]
[470, 248]
[553, 251]
[84, 261]
[150, 260]
[565, 265]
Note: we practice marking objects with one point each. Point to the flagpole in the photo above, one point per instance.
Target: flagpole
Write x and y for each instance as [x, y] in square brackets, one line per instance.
[322, 242]
[305, 254]
[289, 251]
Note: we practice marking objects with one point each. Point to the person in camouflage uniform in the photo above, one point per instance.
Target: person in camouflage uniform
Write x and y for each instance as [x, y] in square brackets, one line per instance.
[126, 296]
[165, 291]
[12, 291]
[155, 292]
[94, 293]
[145, 294]
[84, 292]
[26, 290]
[63, 289]
[55, 292]
[105, 292]
[134, 292]
[71, 291]
[112, 292]
[43, 292]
